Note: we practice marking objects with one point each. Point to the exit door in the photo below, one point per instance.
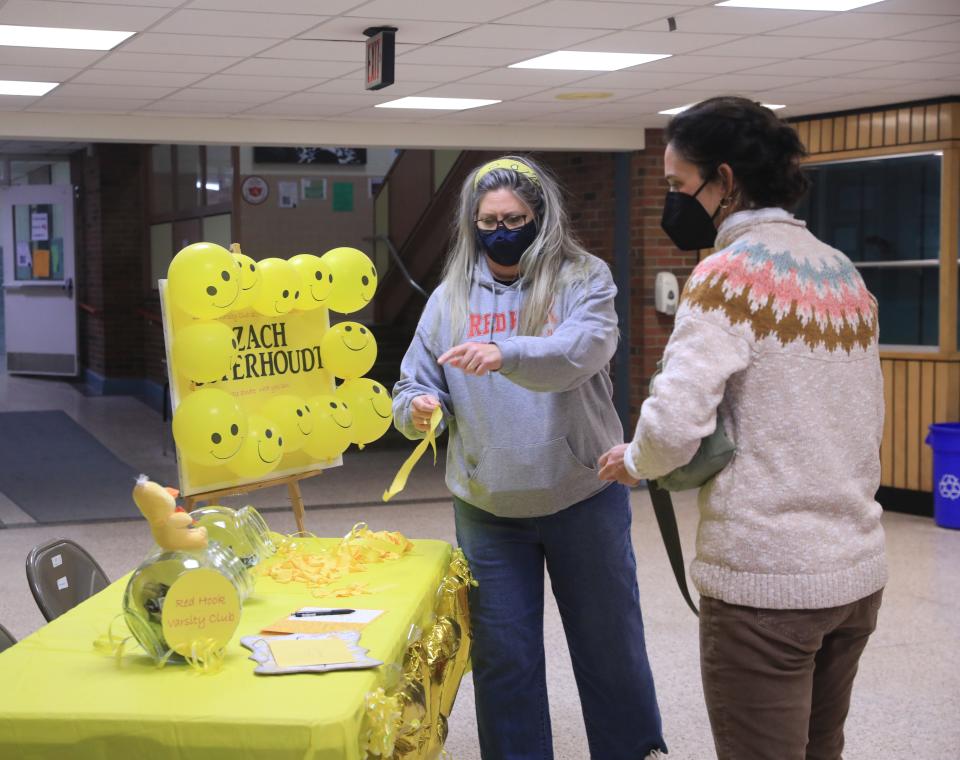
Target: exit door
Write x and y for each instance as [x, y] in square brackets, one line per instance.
[40, 307]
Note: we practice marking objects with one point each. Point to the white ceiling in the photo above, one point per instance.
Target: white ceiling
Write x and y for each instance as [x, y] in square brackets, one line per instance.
[292, 70]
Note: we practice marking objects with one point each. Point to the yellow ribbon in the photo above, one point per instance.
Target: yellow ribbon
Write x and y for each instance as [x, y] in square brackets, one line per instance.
[400, 481]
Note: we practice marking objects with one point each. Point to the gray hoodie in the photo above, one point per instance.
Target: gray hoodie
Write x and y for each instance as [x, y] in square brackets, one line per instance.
[524, 441]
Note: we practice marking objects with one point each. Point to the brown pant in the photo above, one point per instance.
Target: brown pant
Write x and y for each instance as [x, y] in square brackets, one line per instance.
[777, 682]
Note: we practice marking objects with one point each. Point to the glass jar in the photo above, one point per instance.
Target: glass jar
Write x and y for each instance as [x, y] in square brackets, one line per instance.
[243, 530]
[147, 588]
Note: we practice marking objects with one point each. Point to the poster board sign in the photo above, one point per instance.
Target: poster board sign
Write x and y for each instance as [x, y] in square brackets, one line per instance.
[277, 355]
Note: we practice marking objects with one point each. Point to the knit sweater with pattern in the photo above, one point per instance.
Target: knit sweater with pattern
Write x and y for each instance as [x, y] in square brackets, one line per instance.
[778, 331]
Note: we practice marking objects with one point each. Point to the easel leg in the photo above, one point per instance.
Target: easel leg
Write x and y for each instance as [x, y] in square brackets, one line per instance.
[296, 500]
[189, 503]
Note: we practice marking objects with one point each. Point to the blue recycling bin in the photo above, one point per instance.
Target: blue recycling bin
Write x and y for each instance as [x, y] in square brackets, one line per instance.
[944, 439]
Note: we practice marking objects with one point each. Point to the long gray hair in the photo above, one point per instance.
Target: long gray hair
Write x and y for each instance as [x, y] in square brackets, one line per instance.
[553, 260]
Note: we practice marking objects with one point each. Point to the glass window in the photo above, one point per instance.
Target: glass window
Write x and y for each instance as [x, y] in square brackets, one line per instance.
[38, 242]
[161, 251]
[884, 214]
[219, 179]
[216, 229]
[161, 179]
[189, 178]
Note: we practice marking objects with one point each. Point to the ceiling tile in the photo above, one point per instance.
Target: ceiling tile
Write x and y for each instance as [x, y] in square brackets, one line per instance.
[319, 50]
[442, 10]
[224, 24]
[921, 70]
[342, 101]
[21, 56]
[275, 67]
[948, 7]
[521, 37]
[194, 64]
[308, 7]
[355, 83]
[298, 110]
[655, 42]
[579, 13]
[830, 85]
[275, 84]
[200, 94]
[213, 108]
[436, 55]
[412, 72]
[98, 105]
[552, 95]
[891, 50]
[523, 77]
[36, 74]
[948, 58]
[753, 82]
[715, 20]
[347, 28]
[483, 91]
[780, 47]
[875, 26]
[79, 15]
[14, 103]
[639, 78]
[107, 91]
[191, 44]
[808, 67]
[150, 78]
[947, 32]
[706, 64]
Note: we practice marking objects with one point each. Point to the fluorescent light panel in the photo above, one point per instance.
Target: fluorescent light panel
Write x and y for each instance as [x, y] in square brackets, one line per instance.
[800, 5]
[581, 60]
[437, 104]
[31, 89]
[57, 37]
[681, 109]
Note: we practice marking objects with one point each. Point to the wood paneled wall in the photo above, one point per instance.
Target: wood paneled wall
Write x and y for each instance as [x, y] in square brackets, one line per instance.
[903, 126]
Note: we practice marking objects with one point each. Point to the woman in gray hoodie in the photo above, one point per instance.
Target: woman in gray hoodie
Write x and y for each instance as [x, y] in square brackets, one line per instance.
[514, 347]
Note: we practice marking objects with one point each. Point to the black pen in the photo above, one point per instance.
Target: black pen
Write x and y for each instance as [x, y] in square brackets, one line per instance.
[318, 613]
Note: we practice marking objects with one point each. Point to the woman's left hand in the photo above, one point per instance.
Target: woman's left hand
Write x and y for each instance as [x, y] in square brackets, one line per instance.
[474, 358]
[612, 467]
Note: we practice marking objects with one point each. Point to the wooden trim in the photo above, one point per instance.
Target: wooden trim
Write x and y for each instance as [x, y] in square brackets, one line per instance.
[887, 445]
[887, 150]
[899, 424]
[237, 198]
[922, 356]
[949, 247]
[913, 426]
[927, 372]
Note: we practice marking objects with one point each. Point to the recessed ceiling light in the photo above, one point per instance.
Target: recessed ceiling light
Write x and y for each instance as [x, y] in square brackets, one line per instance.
[437, 104]
[800, 5]
[581, 60]
[681, 109]
[32, 89]
[57, 37]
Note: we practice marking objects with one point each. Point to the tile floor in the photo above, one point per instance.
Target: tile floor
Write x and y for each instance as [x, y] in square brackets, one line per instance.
[907, 696]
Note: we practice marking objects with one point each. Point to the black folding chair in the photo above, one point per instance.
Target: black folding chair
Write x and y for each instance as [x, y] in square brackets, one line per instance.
[61, 574]
[6, 639]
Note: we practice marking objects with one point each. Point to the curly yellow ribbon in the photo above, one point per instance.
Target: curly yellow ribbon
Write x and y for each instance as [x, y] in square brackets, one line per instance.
[400, 481]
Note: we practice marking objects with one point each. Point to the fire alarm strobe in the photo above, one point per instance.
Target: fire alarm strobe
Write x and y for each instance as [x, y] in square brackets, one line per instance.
[381, 51]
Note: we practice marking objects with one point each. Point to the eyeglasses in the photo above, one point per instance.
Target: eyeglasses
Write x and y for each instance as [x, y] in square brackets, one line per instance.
[512, 222]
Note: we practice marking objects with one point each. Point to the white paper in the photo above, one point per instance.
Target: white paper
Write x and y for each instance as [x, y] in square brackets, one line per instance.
[39, 226]
[56, 560]
[358, 616]
[63, 583]
[287, 192]
[23, 254]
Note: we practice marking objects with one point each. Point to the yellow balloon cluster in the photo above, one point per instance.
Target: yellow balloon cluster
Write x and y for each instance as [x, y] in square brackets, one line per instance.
[206, 282]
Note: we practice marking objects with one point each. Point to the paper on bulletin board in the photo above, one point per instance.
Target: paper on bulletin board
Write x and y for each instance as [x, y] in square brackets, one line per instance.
[39, 226]
[23, 254]
[287, 194]
[343, 196]
[277, 355]
[41, 263]
[313, 189]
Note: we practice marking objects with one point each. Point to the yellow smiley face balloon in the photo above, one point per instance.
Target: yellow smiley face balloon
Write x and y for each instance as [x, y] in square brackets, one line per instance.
[348, 350]
[209, 427]
[315, 281]
[249, 275]
[293, 419]
[332, 423]
[371, 406]
[203, 281]
[354, 279]
[261, 451]
[279, 288]
[204, 352]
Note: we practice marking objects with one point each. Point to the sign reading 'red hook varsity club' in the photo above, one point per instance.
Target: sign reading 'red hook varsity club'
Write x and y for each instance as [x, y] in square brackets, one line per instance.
[381, 50]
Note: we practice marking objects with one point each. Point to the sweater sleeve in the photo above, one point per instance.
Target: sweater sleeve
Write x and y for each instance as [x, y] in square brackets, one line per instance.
[682, 407]
[581, 346]
[420, 375]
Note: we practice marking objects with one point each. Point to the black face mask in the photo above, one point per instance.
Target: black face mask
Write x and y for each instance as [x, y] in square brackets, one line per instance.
[507, 246]
[687, 222]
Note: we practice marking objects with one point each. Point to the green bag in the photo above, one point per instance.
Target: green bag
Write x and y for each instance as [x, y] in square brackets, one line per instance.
[715, 452]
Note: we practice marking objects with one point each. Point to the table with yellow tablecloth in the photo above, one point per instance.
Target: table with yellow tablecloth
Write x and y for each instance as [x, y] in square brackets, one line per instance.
[61, 699]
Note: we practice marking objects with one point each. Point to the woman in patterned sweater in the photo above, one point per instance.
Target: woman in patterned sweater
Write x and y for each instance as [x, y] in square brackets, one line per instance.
[777, 331]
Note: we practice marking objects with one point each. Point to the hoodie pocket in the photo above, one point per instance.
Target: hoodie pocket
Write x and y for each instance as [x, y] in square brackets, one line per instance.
[520, 476]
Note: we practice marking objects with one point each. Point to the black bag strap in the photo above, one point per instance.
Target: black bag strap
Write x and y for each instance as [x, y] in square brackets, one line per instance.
[667, 520]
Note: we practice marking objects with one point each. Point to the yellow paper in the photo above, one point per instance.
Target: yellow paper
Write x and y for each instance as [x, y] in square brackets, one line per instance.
[400, 481]
[201, 606]
[298, 653]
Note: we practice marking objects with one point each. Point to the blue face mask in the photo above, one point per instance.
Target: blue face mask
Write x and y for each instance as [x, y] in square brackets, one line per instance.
[507, 246]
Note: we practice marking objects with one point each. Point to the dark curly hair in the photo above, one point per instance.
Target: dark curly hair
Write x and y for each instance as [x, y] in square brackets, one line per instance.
[763, 151]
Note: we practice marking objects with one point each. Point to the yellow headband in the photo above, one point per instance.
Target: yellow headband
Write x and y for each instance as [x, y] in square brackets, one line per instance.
[507, 163]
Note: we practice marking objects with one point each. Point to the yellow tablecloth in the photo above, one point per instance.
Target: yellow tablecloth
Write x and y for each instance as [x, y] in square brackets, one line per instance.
[60, 699]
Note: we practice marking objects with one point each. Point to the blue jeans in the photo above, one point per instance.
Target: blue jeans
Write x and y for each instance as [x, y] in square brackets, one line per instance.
[593, 572]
